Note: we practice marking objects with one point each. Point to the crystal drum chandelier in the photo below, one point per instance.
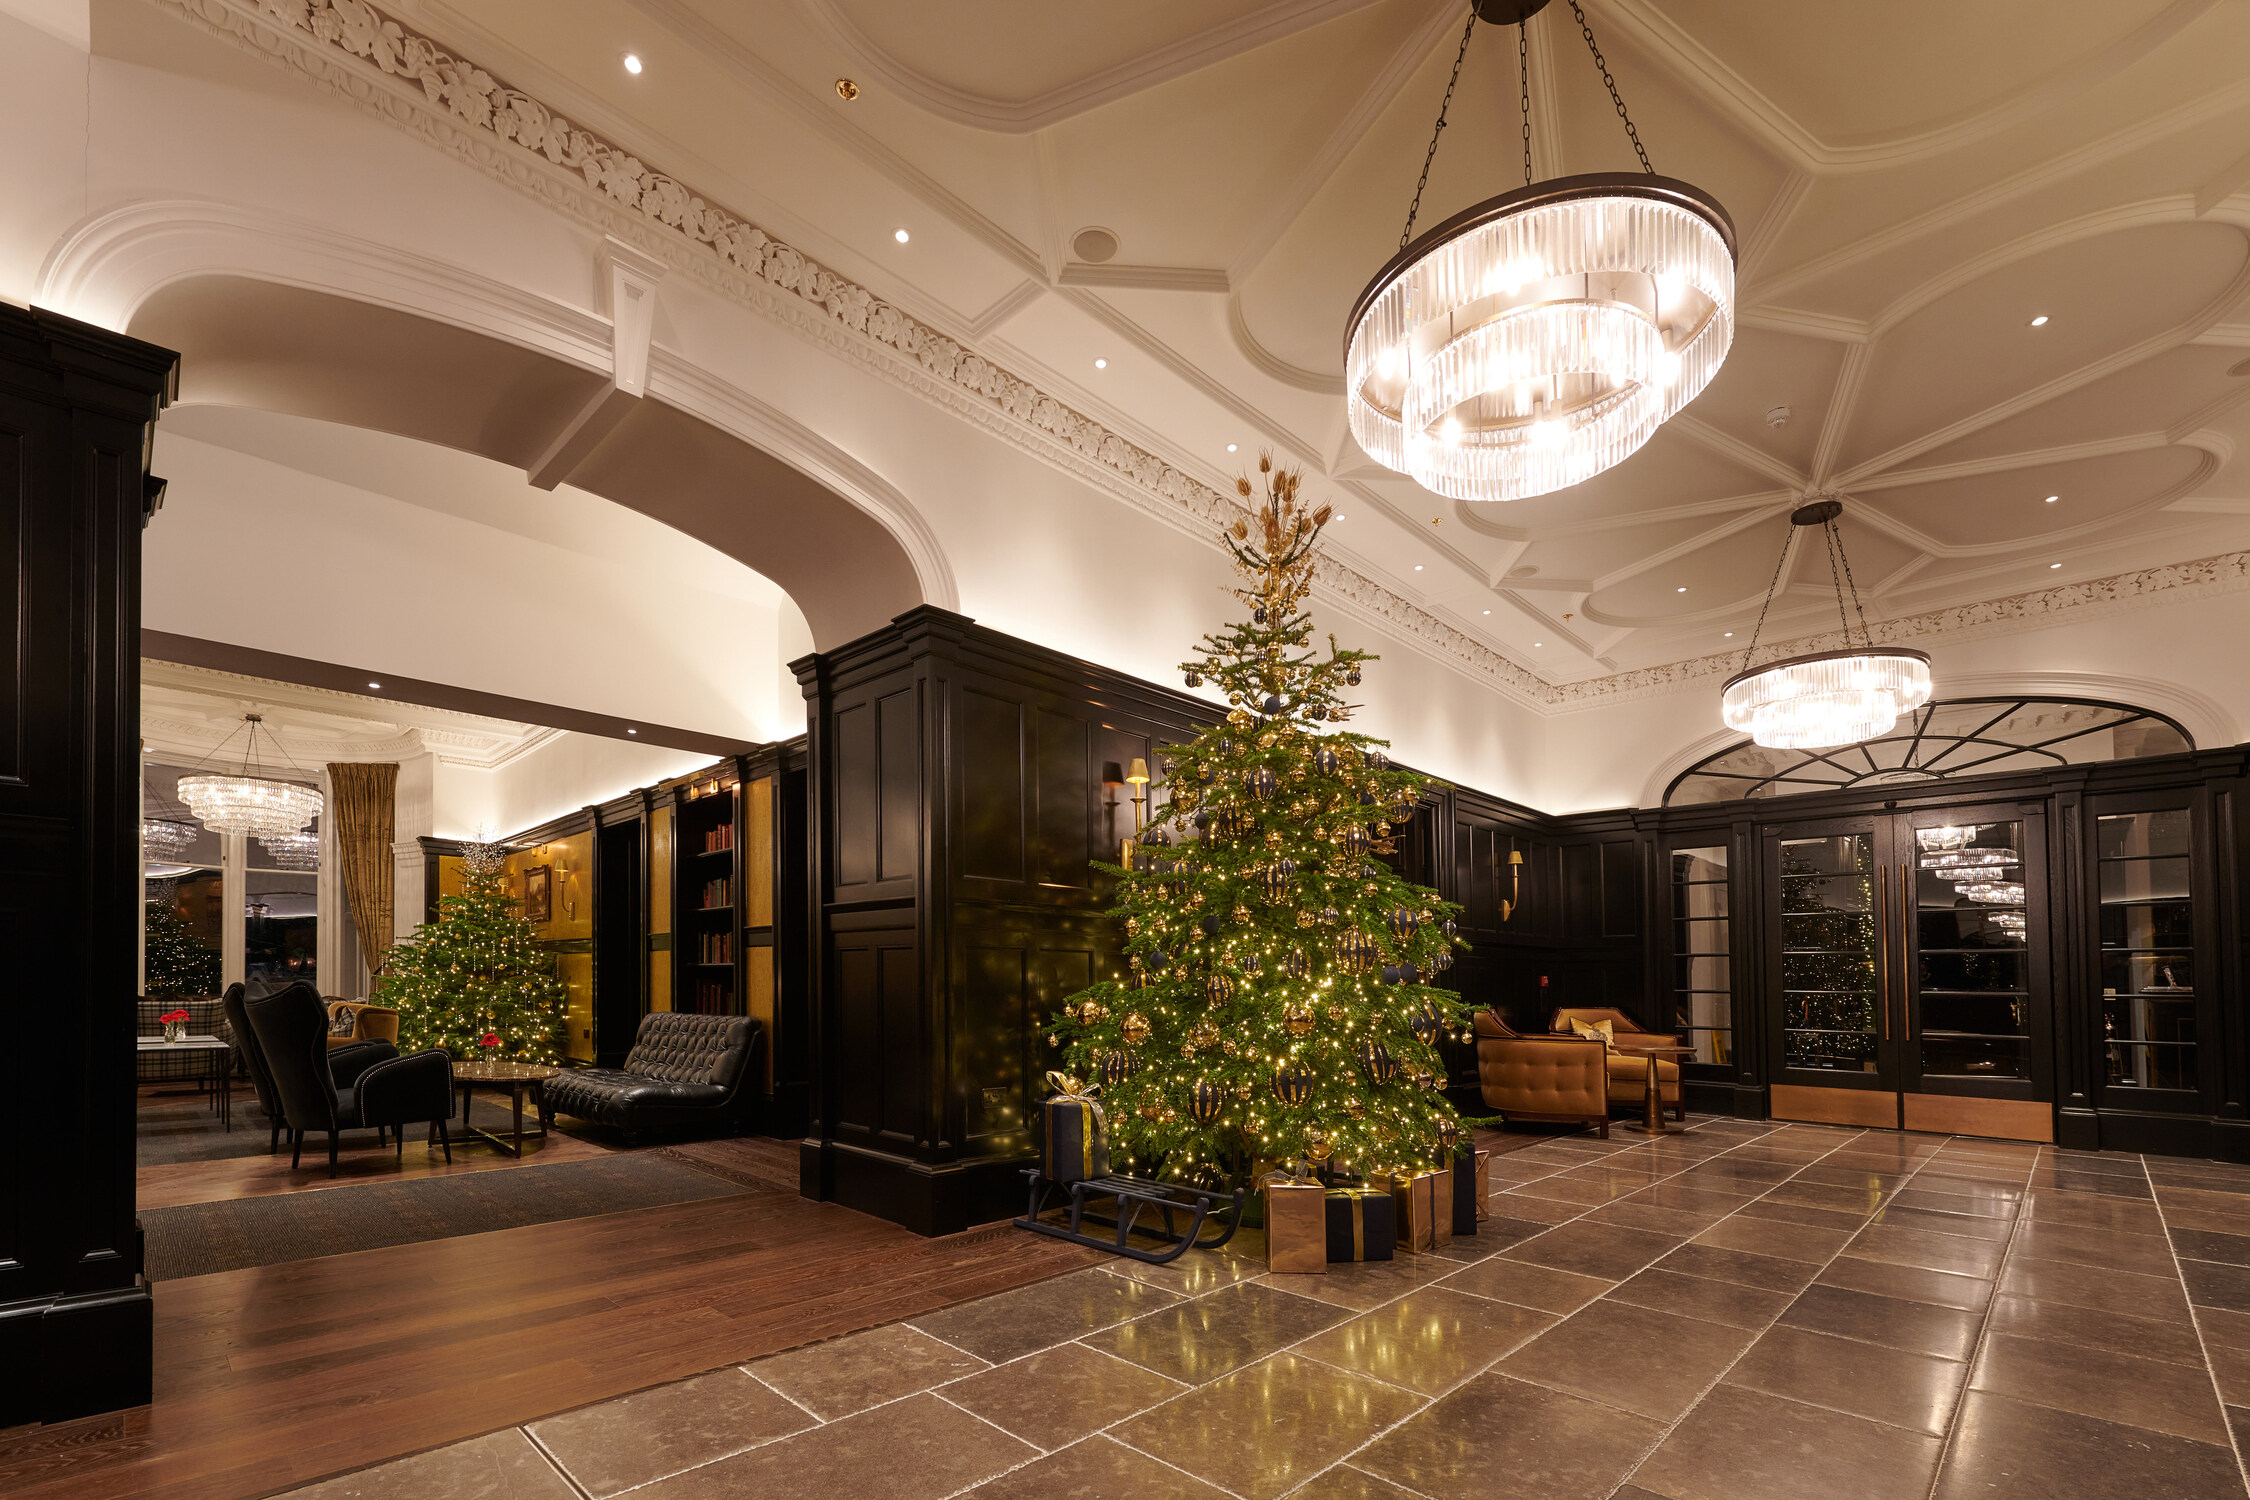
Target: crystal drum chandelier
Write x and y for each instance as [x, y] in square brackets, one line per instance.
[249, 802]
[292, 851]
[1829, 697]
[1537, 338]
[164, 840]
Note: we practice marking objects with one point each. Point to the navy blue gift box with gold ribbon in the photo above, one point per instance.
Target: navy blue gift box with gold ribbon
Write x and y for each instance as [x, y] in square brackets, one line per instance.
[1077, 1139]
[1360, 1225]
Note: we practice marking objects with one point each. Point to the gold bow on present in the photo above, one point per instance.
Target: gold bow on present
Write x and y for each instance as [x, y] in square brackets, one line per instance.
[1067, 1087]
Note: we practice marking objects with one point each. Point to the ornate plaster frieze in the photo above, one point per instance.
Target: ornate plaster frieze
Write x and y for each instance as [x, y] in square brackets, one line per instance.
[350, 48]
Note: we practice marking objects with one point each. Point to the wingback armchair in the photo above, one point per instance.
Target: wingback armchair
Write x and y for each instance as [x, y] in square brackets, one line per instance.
[345, 1063]
[1541, 1077]
[393, 1092]
[1629, 1063]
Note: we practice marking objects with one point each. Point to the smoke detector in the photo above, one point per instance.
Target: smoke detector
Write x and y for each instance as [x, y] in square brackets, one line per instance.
[1778, 417]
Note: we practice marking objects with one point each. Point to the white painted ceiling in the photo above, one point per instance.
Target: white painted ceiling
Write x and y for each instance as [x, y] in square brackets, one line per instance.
[1912, 183]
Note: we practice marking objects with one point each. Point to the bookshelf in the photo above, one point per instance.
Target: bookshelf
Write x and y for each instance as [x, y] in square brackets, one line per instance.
[706, 886]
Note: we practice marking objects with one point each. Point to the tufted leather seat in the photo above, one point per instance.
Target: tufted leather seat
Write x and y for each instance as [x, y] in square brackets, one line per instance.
[1541, 1077]
[682, 1069]
[1628, 1066]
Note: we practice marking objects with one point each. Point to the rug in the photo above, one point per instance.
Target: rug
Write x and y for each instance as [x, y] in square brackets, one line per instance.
[178, 1126]
[197, 1239]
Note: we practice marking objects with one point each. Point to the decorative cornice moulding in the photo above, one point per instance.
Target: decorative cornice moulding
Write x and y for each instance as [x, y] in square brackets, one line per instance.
[349, 48]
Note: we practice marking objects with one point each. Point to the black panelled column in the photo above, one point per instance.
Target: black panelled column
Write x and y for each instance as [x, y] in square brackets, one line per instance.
[77, 407]
[961, 781]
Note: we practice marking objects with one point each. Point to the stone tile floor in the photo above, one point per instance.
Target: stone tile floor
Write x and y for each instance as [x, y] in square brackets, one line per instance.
[1736, 1312]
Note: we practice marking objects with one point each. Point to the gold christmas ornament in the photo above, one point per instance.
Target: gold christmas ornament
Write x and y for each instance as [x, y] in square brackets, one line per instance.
[1206, 1103]
[1355, 1107]
[1115, 1068]
[1136, 1029]
[1297, 1020]
[1292, 1083]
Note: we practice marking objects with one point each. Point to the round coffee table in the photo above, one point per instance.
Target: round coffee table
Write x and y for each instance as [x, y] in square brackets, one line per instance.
[512, 1079]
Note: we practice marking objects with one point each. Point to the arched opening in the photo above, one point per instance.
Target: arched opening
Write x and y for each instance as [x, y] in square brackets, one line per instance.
[1944, 741]
[254, 343]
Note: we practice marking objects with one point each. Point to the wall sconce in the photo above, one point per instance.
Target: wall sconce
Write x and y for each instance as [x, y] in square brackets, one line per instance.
[1136, 776]
[1514, 897]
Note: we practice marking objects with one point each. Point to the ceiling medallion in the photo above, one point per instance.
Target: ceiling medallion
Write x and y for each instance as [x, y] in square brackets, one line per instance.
[1537, 338]
[249, 802]
[1830, 697]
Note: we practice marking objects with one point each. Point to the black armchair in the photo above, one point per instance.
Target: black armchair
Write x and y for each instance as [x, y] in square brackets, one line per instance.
[292, 1031]
[345, 1064]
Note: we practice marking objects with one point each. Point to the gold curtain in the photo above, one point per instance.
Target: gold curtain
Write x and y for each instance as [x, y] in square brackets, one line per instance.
[365, 807]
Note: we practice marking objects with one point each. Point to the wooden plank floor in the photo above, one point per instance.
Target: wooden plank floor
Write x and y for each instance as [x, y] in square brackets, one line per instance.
[271, 1377]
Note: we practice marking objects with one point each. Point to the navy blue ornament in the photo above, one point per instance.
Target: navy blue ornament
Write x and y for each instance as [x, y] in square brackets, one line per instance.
[1195, 679]
[1390, 974]
[1403, 922]
[1426, 1023]
[1351, 678]
[1206, 1103]
[1261, 782]
[1292, 1083]
[1272, 705]
[1376, 1062]
[1326, 761]
[1156, 960]
[1210, 924]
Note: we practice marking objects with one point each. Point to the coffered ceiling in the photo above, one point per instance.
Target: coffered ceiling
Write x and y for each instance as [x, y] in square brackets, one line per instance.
[1914, 183]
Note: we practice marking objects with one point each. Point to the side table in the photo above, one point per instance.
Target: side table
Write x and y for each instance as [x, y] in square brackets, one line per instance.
[1653, 1100]
[220, 1056]
[514, 1080]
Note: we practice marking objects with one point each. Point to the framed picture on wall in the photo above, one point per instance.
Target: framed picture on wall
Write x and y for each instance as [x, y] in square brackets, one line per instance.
[539, 894]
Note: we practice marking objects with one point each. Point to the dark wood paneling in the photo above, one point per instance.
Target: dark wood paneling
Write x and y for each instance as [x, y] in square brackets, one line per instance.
[1066, 785]
[990, 841]
[899, 754]
[856, 808]
[1621, 888]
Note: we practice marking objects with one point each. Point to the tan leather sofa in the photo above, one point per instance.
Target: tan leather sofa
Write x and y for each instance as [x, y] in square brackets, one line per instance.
[1628, 1066]
[359, 1021]
[1541, 1077]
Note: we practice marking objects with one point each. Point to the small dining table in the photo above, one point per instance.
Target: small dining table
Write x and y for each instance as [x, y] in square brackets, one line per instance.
[219, 1059]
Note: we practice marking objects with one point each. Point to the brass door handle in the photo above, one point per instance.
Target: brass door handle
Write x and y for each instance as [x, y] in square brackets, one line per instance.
[1883, 946]
[1905, 937]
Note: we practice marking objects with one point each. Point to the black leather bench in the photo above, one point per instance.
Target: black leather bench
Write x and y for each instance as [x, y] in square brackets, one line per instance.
[683, 1070]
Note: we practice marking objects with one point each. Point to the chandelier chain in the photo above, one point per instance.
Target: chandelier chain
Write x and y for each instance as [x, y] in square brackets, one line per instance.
[1611, 84]
[1523, 75]
[1778, 563]
[1849, 582]
[1431, 155]
[1836, 578]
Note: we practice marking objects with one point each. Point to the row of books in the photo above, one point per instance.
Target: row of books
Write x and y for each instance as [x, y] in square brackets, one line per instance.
[712, 999]
[715, 948]
[719, 839]
[716, 892]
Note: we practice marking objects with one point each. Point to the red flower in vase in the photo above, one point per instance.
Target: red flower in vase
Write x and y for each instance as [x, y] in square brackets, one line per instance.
[172, 1016]
[489, 1040]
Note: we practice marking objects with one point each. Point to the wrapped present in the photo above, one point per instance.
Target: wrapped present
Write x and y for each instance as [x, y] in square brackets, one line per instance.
[1422, 1210]
[1472, 1181]
[1360, 1226]
[1077, 1138]
[1296, 1223]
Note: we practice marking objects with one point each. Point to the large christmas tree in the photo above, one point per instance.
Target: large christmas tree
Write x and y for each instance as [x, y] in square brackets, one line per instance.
[1273, 1009]
[477, 971]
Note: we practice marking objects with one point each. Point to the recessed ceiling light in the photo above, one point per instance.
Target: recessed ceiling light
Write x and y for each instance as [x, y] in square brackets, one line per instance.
[1681, 589]
[375, 685]
[1417, 567]
[632, 731]
[633, 63]
[1101, 364]
[1538, 643]
[1730, 635]
[2051, 499]
[2054, 565]
[2040, 321]
[1488, 611]
[901, 236]
[1230, 447]
[1339, 518]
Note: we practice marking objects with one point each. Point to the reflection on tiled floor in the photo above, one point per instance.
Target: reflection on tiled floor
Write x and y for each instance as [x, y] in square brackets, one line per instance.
[1737, 1312]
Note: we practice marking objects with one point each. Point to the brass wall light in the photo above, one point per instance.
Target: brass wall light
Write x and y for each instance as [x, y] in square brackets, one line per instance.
[1514, 897]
